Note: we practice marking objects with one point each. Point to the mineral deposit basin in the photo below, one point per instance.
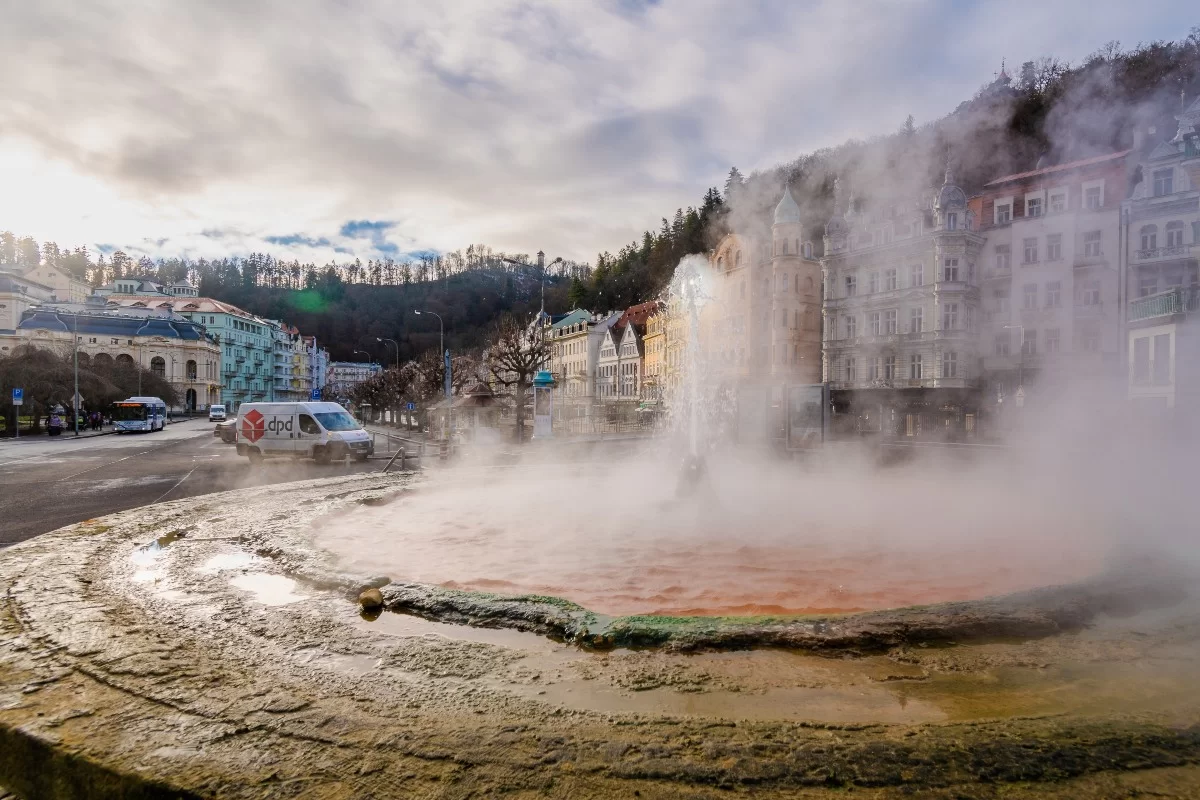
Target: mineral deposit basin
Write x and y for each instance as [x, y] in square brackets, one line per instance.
[615, 539]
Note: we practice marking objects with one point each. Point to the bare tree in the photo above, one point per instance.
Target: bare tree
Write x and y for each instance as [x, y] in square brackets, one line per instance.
[514, 358]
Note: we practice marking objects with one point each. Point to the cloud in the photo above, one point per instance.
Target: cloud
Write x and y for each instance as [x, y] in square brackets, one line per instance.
[229, 127]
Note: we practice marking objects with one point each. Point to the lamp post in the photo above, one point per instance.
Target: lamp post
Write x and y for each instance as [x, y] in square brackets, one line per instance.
[522, 264]
[75, 399]
[441, 345]
[393, 341]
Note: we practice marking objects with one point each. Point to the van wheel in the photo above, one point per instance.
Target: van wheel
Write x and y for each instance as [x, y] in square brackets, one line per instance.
[321, 455]
[255, 455]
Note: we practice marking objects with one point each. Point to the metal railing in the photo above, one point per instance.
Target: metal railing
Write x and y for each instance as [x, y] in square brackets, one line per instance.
[1173, 301]
[1163, 252]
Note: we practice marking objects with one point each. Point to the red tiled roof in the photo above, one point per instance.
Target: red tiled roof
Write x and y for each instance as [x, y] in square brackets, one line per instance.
[638, 314]
[1083, 162]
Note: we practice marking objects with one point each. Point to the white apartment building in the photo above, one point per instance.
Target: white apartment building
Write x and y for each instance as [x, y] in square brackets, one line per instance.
[1162, 248]
[1051, 273]
[902, 314]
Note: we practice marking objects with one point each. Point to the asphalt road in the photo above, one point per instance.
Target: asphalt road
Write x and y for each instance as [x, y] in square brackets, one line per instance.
[48, 483]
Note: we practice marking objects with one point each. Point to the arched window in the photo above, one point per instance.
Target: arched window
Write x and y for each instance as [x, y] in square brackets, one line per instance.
[808, 250]
[797, 247]
[158, 366]
[1175, 234]
[1149, 237]
[84, 359]
[125, 359]
[785, 252]
[191, 370]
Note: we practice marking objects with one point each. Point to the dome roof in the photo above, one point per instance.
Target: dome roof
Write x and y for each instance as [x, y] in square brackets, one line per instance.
[950, 196]
[787, 211]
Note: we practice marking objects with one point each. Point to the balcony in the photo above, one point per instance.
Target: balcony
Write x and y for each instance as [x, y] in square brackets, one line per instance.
[1164, 304]
[1164, 253]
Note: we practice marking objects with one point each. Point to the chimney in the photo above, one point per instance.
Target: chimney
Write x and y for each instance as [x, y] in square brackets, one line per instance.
[541, 260]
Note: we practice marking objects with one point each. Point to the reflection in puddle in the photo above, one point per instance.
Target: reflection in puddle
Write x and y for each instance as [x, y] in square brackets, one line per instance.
[147, 554]
[270, 590]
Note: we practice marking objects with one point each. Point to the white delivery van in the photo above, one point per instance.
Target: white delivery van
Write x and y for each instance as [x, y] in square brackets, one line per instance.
[322, 431]
[216, 413]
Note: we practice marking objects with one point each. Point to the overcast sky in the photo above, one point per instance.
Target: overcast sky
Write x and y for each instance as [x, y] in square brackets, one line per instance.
[316, 129]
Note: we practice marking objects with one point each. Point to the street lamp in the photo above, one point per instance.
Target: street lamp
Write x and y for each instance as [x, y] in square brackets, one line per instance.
[393, 341]
[441, 345]
[75, 399]
[522, 264]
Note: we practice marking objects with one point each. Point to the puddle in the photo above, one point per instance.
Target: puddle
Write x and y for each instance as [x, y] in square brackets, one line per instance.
[226, 561]
[392, 623]
[147, 554]
[270, 590]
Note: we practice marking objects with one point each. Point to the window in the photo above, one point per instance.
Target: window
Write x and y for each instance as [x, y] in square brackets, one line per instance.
[783, 317]
[851, 327]
[1054, 294]
[873, 369]
[1030, 296]
[873, 322]
[917, 275]
[950, 269]
[1091, 244]
[1162, 359]
[1031, 251]
[1003, 256]
[1141, 359]
[1058, 202]
[1053, 339]
[808, 250]
[309, 425]
[1175, 234]
[851, 369]
[1147, 285]
[1093, 198]
[970, 317]
[889, 322]
[914, 367]
[952, 221]
[950, 316]
[1054, 247]
[1003, 213]
[873, 283]
[916, 320]
[1091, 341]
[785, 247]
[889, 368]
[1164, 182]
[1002, 343]
[1091, 293]
[851, 285]
[1149, 235]
[1033, 207]
[891, 280]
[1029, 343]
[158, 366]
[950, 365]
[1002, 301]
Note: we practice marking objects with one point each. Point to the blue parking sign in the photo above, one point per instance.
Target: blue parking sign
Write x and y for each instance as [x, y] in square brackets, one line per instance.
[316, 394]
[18, 396]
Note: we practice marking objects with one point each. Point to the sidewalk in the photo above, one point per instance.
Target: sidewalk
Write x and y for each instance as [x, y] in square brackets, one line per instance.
[69, 432]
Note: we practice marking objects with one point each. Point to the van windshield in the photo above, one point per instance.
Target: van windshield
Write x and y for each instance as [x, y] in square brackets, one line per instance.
[337, 421]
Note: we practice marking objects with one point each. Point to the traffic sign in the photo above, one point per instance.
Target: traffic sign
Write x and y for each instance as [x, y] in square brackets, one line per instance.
[18, 396]
[316, 394]
[411, 407]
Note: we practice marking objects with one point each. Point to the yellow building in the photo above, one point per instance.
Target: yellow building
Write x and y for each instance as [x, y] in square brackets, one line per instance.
[656, 357]
[766, 323]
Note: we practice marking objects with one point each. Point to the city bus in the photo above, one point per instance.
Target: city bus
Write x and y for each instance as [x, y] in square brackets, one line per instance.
[139, 414]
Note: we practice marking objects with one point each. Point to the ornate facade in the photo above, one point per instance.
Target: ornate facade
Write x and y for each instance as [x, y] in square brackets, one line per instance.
[902, 313]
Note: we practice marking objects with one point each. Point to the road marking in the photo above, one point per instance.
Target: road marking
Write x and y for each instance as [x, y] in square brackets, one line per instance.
[176, 486]
[126, 458]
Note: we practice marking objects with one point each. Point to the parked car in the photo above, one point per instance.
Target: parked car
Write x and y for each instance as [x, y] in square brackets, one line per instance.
[226, 431]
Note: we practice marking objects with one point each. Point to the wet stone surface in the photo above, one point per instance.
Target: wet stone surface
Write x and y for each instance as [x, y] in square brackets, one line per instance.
[206, 648]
